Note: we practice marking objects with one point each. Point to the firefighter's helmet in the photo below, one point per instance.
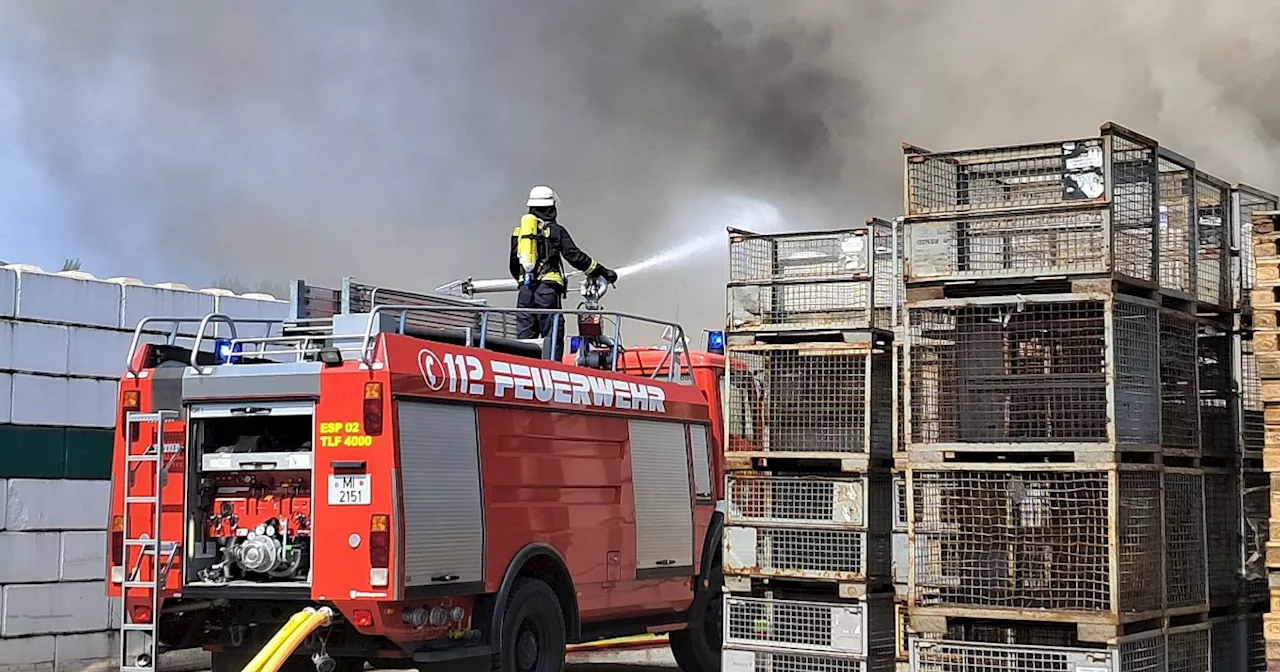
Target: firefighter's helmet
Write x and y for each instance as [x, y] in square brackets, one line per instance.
[541, 197]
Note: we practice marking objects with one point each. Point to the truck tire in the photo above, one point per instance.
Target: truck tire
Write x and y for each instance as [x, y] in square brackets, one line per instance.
[697, 648]
[533, 630]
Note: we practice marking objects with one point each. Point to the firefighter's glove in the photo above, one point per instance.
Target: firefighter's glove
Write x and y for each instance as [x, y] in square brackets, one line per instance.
[610, 276]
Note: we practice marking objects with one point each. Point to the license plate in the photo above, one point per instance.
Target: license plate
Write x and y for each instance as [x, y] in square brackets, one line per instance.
[349, 490]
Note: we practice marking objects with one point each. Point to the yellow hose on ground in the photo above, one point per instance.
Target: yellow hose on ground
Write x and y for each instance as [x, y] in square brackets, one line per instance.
[316, 619]
[292, 624]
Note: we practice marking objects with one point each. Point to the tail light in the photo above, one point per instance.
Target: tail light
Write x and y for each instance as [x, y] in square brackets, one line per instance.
[373, 409]
[117, 541]
[379, 542]
[130, 402]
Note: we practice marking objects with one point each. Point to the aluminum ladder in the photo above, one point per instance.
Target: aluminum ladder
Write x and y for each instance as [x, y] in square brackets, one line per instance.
[152, 460]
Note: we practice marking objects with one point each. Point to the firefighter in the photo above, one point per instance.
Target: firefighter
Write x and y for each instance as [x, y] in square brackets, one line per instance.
[537, 246]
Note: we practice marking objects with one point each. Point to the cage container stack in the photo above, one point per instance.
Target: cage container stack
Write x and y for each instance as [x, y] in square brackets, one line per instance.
[1262, 385]
[807, 543]
[1071, 408]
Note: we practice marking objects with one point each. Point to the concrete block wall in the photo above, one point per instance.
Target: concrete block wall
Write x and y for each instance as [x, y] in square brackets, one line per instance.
[64, 340]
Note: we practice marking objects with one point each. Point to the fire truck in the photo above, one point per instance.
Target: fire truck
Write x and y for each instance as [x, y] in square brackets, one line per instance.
[391, 477]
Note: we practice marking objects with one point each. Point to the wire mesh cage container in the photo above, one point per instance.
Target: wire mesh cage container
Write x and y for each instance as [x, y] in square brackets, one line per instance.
[1255, 643]
[809, 636]
[813, 399]
[1137, 653]
[1218, 397]
[1080, 546]
[1071, 207]
[1213, 241]
[1228, 647]
[813, 280]
[900, 516]
[1245, 202]
[1189, 648]
[1068, 373]
[809, 528]
[1223, 535]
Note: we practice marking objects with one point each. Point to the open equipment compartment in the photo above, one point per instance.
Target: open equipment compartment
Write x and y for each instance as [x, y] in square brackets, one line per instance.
[249, 510]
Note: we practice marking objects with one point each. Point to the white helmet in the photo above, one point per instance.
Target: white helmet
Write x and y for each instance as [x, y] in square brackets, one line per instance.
[541, 196]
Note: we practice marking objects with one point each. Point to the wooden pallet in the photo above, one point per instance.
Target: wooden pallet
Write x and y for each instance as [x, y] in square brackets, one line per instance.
[1265, 305]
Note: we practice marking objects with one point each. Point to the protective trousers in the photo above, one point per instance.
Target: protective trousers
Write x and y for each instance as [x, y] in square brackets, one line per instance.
[545, 296]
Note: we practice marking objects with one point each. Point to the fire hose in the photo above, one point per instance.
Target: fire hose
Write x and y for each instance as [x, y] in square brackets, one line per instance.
[288, 639]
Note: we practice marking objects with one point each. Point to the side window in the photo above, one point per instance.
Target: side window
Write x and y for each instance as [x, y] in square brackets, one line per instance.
[701, 462]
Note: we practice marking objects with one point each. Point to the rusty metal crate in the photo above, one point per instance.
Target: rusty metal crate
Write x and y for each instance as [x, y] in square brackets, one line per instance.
[813, 280]
[1075, 207]
[1213, 281]
[1189, 649]
[1070, 545]
[813, 399]
[1179, 384]
[1057, 372]
[809, 528]
[1222, 535]
[1176, 232]
[1186, 557]
[810, 635]
[1245, 201]
[1139, 653]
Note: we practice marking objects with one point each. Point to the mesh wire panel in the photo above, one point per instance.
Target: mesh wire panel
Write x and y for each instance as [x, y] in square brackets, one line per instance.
[1029, 372]
[782, 500]
[984, 657]
[900, 501]
[778, 624]
[1133, 208]
[768, 661]
[1144, 654]
[1013, 539]
[1224, 644]
[1180, 406]
[1222, 533]
[813, 397]
[1188, 649]
[1213, 265]
[1185, 539]
[1027, 633]
[786, 552]
[1255, 643]
[1141, 541]
[1176, 211]
[1249, 202]
[1252, 431]
[1004, 246]
[843, 304]
[1217, 395]
[900, 375]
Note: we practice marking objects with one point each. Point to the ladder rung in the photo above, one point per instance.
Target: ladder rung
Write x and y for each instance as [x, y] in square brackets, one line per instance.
[141, 584]
[141, 418]
[141, 500]
[143, 457]
[138, 627]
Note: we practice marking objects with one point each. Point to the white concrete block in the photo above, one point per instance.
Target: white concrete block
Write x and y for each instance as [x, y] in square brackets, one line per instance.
[6, 399]
[8, 291]
[240, 307]
[25, 557]
[97, 352]
[91, 403]
[27, 654]
[142, 301]
[37, 504]
[113, 613]
[83, 556]
[60, 298]
[40, 400]
[54, 608]
[33, 347]
[75, 653]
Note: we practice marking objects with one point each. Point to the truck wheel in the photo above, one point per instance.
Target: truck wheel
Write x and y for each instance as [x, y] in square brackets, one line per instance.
[533, 630]
[697, 649]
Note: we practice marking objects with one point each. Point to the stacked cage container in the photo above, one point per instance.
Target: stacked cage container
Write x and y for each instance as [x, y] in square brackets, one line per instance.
[1074, 478]
[811, 503]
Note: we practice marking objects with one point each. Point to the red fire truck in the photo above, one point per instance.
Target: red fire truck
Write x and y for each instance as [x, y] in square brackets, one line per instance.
[440, 491]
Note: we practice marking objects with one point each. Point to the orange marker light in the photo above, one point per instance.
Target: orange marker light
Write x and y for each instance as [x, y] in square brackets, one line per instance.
[131, 400]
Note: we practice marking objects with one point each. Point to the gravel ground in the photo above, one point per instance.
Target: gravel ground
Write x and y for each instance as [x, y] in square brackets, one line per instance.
[632, 660]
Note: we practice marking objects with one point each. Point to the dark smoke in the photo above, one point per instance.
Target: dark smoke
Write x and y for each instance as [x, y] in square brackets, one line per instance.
[395, 140]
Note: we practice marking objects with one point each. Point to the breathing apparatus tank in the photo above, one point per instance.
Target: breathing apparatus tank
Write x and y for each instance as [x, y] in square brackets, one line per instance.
[527, 245]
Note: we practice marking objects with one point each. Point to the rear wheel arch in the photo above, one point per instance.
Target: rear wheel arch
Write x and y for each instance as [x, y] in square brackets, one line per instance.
[542, 562]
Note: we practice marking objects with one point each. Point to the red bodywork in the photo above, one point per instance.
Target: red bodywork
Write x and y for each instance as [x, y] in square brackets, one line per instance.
[554, 470]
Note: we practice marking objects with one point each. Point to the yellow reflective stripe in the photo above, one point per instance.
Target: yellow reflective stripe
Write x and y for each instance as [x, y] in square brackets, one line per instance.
[592, 267]
[553, 277]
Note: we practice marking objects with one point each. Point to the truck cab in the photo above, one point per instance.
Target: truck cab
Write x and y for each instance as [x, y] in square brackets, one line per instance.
[445, 493]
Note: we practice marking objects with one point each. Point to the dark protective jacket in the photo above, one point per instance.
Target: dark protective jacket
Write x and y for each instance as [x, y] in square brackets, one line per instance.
[552, 243]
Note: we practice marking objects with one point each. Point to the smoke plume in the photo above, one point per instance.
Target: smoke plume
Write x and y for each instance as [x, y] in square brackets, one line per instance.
[396, 140]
